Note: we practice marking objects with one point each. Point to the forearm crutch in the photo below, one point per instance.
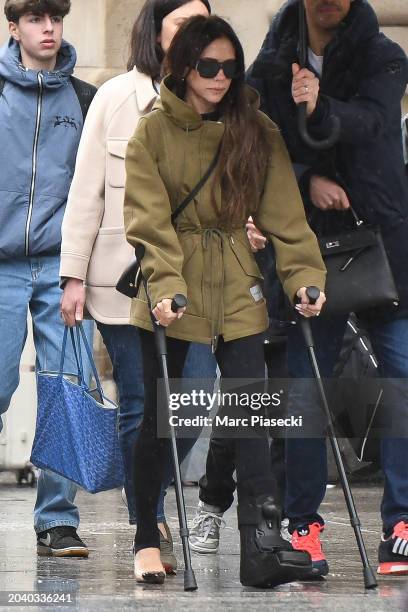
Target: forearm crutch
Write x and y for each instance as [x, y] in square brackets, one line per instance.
[179, 301]
[369, 578]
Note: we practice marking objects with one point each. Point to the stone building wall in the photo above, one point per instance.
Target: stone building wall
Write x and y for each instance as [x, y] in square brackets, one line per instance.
[99, 30]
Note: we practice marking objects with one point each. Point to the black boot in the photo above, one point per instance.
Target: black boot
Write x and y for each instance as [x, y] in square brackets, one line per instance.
[266, 558]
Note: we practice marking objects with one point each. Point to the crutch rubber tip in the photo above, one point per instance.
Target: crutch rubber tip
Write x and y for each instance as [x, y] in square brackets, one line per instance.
[190, 583]
[369, 579]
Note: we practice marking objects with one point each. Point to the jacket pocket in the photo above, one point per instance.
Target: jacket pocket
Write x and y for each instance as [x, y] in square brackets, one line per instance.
[192, 272]
[111, 254]
[245, 257]
[115, 162]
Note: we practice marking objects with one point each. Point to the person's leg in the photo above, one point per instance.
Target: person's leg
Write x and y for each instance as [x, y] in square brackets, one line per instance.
[123, 345]
[55, 505]
[150, 450]
[200, 365]
[217, 485]
[390, 344]
[15, 293]
[306, 459]
[266, 559]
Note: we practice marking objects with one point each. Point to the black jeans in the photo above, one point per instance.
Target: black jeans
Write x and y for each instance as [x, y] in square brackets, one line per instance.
[242, 358]
[217, 486]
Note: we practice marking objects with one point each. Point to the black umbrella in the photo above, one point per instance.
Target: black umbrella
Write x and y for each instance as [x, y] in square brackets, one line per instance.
[328, 142]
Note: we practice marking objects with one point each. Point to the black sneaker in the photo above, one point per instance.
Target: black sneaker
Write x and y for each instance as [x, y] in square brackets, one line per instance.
[393, 552]
[61, 541]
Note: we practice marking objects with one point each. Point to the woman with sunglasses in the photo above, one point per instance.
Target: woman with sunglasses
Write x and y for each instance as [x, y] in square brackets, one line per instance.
[205, 106]
[94, 248]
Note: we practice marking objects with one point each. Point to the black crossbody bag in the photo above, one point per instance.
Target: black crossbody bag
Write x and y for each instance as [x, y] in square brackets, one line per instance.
[359, 275]
[130, 279]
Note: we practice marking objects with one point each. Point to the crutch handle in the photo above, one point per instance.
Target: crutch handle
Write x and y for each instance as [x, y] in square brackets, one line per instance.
[313, 294]
[179, 301]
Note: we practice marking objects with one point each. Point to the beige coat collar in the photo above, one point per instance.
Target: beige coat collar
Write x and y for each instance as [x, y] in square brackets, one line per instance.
[145, 93]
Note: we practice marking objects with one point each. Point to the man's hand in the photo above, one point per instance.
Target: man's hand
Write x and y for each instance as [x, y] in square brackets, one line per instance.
[327, 195]
[305, 87]
[256, 239]
[73, 302]
[164, 314]
[305, 308]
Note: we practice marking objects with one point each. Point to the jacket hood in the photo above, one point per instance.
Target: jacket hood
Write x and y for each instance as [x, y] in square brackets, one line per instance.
[281, 46]
[182, 113]
[11, 68]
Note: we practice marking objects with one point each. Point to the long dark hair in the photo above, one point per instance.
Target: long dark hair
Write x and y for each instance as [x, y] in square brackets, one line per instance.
[145, 52]
[244, 149]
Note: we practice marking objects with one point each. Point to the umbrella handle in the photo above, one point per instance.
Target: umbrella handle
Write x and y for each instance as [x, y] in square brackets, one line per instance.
[325, 143]
[331, 140]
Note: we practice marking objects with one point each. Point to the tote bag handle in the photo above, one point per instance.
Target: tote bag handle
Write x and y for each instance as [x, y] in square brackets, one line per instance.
[63, 351]
[76, 345]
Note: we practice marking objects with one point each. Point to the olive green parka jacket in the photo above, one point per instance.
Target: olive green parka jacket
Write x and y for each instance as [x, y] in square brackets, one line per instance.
[214, 268]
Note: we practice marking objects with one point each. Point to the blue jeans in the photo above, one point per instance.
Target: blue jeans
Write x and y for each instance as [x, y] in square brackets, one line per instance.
[34, 283]
[306, 460]
[123, 345]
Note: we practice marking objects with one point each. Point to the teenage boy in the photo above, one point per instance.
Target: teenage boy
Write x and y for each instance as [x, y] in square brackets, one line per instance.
[41, 116]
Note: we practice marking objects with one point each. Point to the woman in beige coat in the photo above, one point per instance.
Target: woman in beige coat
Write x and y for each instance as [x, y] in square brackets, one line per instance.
[94, 247]
[204, 107]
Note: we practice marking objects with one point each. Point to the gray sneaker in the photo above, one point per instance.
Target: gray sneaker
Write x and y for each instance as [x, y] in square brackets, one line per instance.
[205, 529]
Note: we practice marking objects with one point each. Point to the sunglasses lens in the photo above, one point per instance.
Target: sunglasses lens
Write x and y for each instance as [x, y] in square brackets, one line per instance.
[208, 68]
[230, 69]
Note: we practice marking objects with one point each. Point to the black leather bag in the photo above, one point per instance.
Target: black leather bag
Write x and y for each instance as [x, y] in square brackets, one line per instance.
[359, 276]
[130, 279]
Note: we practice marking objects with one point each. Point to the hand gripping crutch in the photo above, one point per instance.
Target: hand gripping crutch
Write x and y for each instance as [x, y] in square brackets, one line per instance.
[190, 583]
[369, 578]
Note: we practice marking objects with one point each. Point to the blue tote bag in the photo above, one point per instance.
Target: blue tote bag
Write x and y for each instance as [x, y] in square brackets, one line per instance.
[76, 432]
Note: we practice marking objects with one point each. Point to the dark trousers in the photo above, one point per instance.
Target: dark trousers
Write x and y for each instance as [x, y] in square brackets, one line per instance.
[217, 486]
[242, 358]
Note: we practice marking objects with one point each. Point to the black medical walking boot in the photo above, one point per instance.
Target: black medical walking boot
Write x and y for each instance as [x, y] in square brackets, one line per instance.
[266, 558]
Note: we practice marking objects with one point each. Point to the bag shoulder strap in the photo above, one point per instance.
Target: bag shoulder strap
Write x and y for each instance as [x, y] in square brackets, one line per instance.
[197, 188]
[85, 93]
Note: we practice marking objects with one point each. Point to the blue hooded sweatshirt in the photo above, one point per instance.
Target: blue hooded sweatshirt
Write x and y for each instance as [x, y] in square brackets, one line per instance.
[40, 125]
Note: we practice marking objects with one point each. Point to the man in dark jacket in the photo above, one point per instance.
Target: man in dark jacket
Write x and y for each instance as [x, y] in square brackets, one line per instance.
[357, 74]
[41, 121]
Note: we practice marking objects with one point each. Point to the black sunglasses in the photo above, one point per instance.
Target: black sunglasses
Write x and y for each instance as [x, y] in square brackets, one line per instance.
[208, 68]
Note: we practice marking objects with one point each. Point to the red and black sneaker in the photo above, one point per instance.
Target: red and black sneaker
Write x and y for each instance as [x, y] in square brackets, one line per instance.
[307, 538]
[393, 552]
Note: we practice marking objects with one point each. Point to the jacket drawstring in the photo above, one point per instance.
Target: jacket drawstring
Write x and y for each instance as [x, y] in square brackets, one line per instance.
[212, 241]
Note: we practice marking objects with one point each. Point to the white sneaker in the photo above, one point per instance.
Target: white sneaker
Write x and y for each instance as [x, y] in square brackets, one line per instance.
[205, 529]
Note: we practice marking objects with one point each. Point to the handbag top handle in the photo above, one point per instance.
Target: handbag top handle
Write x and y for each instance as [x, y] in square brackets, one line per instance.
[76, 344]
[357, 219]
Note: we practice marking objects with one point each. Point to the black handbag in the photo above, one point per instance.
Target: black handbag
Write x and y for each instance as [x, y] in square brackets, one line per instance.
[130, 279]
[359, 275]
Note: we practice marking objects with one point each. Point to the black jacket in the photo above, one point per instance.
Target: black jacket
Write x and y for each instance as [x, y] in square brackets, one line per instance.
[364, 79]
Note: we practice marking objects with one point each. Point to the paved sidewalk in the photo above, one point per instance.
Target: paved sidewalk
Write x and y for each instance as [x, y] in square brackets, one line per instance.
[105, 580]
